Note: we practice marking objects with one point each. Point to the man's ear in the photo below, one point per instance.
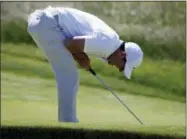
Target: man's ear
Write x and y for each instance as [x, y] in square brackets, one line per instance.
[124, 54]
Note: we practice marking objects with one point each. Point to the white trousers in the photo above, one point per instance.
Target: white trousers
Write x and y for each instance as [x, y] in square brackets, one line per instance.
[44, 30]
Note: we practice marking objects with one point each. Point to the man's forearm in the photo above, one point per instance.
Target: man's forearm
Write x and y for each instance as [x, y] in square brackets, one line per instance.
[82, 59]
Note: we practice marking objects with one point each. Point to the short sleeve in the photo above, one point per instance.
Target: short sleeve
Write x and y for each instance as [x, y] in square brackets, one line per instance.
[100, 44]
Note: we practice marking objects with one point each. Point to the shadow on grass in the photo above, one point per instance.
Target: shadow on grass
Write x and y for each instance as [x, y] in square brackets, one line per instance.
[8, 132]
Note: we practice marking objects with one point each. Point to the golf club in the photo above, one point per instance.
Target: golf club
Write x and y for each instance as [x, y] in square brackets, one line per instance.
[94, 73]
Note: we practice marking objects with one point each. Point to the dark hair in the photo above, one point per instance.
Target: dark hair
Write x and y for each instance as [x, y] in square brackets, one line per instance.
[122, 48]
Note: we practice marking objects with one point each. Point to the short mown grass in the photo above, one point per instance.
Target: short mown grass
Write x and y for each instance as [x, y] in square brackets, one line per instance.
[32, 101]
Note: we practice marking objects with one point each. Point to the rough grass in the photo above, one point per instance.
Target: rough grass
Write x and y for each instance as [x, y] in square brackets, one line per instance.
[160, 29]
[150, 79]
[157, 42]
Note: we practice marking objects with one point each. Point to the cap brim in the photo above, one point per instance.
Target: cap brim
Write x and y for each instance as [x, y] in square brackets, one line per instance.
[127, 71]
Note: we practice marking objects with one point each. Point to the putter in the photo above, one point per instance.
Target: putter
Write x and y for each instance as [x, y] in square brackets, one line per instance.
[94, 73]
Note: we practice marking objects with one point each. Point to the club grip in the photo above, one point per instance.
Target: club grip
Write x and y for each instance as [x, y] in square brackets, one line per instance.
[92, 71]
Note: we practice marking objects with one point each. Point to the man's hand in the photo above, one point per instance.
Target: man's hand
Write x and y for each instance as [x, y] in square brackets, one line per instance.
[83, 60]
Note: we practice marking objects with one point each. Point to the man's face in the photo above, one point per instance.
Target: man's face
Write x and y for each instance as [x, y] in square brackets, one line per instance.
[118, 60]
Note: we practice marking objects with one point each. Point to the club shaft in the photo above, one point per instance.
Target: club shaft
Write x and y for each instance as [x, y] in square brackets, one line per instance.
[118, 98]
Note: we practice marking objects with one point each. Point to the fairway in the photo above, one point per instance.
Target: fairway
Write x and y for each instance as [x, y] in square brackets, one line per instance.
[32, 101]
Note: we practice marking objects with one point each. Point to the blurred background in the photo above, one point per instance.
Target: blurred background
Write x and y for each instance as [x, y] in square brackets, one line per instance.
[158, 27]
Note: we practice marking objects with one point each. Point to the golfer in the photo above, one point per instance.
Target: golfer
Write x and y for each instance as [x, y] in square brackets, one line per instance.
[66, 35]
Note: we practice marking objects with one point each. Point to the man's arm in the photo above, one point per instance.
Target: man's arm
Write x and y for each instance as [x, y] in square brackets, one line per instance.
[82, 59]
[75, 45]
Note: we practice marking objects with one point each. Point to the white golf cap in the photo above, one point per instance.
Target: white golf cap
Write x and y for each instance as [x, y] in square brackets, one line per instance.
[134, 57]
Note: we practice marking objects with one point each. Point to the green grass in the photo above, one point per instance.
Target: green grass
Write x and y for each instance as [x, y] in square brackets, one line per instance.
[156, 92]
[164, 79]
[32, 101]
[28, 95]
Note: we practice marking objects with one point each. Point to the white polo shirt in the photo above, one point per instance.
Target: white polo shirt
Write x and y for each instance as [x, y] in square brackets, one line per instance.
[100, 39]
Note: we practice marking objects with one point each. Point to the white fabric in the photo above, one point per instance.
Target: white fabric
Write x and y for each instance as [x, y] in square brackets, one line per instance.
[45, 32]
[100, 44]
[79, 23]
[100, 39]
[134, 58]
